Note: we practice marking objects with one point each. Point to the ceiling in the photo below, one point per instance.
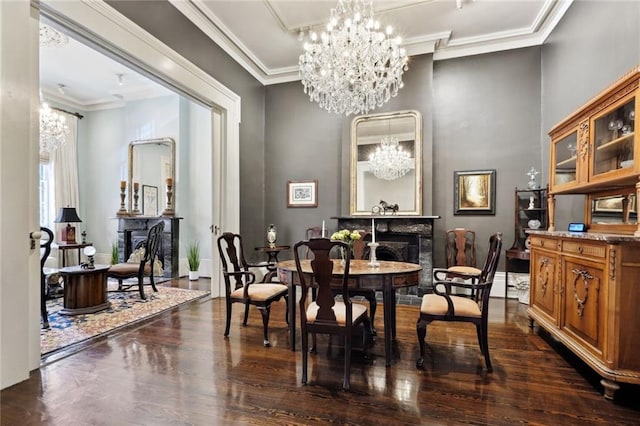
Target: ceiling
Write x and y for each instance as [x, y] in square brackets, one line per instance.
[263, 36]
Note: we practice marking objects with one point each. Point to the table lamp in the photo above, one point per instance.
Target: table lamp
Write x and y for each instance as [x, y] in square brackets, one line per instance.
[68, 215]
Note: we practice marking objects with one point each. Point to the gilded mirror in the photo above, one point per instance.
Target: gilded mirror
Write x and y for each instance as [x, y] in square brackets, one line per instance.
[151, 167]
[386, 162]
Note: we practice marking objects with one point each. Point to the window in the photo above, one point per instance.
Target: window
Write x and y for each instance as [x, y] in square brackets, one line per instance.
[47, 207]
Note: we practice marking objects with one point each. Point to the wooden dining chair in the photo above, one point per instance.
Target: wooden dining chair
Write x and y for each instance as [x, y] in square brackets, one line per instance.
[460, 251]
[442, 305]
[45, 251]
[142, 268]
[240, 285]
[326, 314]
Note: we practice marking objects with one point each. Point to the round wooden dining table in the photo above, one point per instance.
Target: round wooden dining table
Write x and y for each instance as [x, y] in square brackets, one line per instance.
[387, 277]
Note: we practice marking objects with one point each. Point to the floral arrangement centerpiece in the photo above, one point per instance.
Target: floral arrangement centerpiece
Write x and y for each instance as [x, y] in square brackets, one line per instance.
[347, 236]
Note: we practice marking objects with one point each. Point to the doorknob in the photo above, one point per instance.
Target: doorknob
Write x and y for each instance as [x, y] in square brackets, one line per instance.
[214, 229]
[33, 236]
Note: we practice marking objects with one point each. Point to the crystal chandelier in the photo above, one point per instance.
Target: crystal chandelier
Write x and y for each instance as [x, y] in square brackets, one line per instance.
[353, 66]
[52, 38]
[53, 129]
[389, 161]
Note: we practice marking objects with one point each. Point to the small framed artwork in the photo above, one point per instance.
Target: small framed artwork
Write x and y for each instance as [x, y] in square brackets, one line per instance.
[474, 192]
[302, 193]
[149, 200]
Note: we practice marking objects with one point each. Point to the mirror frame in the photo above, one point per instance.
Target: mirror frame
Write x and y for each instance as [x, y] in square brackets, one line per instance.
[353, 207]
[618, 227]
[172, 172]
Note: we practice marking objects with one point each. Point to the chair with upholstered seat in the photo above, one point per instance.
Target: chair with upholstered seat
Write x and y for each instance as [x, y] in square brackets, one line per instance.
[45, 251]
[442, 305]
[240, 285]
[326, 314]
[143, 268]
[460, 251]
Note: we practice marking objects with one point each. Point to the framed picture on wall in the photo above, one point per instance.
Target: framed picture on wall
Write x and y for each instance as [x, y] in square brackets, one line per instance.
[474, 192]
[302, 193]
[149, 200]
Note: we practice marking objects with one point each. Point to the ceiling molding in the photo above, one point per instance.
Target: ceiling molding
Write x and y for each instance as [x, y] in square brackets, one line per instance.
[440, 44]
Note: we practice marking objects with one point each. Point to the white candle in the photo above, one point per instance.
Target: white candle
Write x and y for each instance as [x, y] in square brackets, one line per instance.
[373, 231]
[323, 229]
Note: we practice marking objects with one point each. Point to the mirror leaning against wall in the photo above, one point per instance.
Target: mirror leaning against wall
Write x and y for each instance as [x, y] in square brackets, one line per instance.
[151, 170]
[386, 162]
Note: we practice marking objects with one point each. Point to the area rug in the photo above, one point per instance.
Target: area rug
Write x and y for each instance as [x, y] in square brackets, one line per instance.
[126, 308]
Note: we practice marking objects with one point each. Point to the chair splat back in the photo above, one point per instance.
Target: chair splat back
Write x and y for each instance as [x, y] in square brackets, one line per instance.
[460, 247]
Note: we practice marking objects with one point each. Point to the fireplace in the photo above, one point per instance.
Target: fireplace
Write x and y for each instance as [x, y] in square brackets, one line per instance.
[401, 238]
[132, 230]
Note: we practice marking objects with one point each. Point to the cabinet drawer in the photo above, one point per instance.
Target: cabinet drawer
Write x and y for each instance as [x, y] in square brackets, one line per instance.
[545, 243]
[584, 249]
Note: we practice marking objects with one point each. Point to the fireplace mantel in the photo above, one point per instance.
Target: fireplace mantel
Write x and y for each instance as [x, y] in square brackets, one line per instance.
[416, 231]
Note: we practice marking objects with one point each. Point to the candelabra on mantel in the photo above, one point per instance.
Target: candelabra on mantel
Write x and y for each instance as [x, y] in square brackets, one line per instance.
[168, 211]
[123, 194]
[136, 197]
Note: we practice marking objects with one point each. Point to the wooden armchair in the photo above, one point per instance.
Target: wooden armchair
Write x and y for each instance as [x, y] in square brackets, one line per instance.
[327, 315]
[460, 251]
[45, 251]
[144, 268]
[240, 285]
[444, 306]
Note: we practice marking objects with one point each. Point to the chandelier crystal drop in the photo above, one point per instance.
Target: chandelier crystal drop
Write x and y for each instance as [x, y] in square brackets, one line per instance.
[389, 161]
[53, 129]
[50, 37]
[352, 67]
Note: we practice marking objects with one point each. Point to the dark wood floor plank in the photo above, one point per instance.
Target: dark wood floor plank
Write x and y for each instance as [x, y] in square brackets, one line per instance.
[179, 369]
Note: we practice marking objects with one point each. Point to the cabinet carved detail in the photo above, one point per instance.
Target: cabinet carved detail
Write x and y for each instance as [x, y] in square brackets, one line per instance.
[583, 139]
[581, 276]
[543, 276]
[612, 264]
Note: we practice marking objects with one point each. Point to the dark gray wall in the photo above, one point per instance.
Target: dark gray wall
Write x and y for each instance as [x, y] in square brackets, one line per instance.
[304, 142]
[171, 27]
[596, 43]
[487, 111]
[486, 116]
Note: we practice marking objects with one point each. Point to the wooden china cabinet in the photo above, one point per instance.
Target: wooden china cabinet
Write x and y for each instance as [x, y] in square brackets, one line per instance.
[585, 287]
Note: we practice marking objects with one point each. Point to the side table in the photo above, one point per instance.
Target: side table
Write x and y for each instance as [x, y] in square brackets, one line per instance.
[514, 261]
[272, 253]
[85, 290]
[63, 247]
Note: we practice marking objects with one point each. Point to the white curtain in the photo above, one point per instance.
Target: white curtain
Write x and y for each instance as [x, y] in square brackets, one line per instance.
[65, 169]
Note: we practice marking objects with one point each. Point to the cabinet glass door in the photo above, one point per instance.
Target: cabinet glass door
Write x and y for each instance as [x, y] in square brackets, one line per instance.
[613, 139]
[565, 160]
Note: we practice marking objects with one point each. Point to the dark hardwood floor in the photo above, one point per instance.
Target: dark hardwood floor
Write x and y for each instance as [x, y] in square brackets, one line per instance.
[178, 369]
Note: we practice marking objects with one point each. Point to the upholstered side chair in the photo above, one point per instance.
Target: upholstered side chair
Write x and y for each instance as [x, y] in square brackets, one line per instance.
[240, 285]
[144, 268]
[326, 314]
[443, 305]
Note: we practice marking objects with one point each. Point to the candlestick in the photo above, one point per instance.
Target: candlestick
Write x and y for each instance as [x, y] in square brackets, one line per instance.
[323, 229]
[123, 210]
[373, 230]
[168, 211]
[135, 199]
[373, 261]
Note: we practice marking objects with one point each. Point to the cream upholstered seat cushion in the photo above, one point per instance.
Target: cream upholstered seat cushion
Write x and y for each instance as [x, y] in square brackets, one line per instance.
[437, 305]
[465, 270]
[127, 269]
[260, 292]
[340, 310]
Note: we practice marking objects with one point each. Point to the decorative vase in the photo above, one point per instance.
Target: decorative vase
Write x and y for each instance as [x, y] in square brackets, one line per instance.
[271, 235]
[194, 275]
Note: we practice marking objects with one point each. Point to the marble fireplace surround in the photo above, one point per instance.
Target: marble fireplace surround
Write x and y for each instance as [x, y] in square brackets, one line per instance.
[410, 237]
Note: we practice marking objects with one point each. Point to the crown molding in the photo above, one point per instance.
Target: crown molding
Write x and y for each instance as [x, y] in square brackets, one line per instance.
[438, 44]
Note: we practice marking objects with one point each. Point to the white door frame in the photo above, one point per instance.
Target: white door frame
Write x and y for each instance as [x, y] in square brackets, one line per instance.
[120, 38]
